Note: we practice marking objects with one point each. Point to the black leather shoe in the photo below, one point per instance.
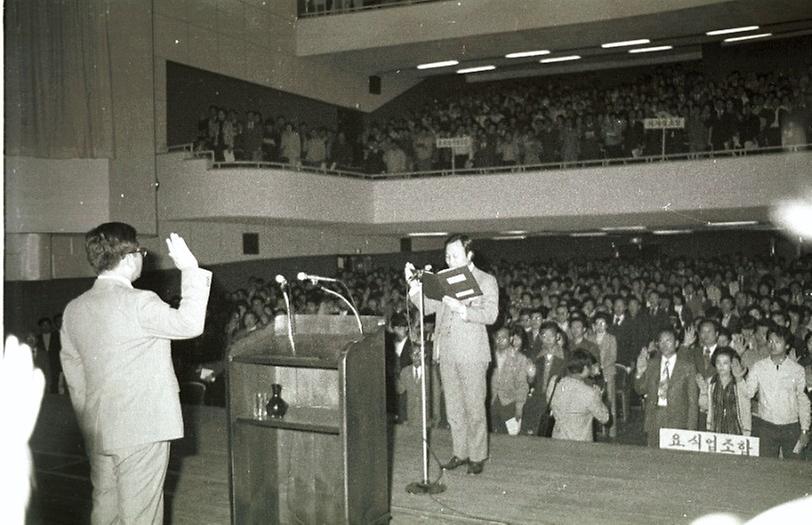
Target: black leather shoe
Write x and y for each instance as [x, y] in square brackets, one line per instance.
[455, 462]
[475, 467]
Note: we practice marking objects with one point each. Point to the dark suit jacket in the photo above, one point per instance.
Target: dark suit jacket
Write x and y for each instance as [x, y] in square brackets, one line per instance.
[536, 405]
[623, 337]
[734, 323]
[683, 393]
[656, 322]
[637, 337]
[534, 345]
[54, 365]
[696, 354]
[394, 365]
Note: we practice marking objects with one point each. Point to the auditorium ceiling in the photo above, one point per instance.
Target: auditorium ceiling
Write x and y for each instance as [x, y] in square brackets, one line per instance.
[666, 221]
[684, 29]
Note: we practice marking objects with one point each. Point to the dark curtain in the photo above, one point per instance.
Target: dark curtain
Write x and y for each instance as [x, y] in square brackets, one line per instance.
[58, 99]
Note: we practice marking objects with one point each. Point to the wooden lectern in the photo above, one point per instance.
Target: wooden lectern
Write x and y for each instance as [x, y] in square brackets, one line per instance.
[326, 460]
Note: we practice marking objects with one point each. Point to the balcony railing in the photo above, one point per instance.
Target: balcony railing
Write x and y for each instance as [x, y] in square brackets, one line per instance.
[358, 173]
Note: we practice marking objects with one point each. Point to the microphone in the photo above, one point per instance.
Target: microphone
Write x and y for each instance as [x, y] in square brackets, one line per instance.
[314, 278]
[417, 274]
[280, 280]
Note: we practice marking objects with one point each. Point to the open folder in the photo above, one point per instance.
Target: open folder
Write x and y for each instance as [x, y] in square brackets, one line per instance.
[458, 283]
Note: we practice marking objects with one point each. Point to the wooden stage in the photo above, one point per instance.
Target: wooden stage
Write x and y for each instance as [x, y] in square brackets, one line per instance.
[526, 480]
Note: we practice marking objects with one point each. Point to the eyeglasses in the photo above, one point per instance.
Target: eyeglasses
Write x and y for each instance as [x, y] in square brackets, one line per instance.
[142, 251]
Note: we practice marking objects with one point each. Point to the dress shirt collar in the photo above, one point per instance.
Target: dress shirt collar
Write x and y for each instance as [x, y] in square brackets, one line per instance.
[117, 278]
[671, 362]
[399, 345]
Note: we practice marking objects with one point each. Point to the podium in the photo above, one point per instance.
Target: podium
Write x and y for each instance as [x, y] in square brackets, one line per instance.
[326, 460]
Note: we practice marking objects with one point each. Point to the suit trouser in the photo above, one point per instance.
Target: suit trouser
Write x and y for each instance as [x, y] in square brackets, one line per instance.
[464, 385]
[660, 421]
[128, 484]
[501, 414]
[774, 438]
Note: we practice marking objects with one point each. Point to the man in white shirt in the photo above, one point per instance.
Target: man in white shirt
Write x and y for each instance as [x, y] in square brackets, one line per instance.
[783, 418]
[118, 366]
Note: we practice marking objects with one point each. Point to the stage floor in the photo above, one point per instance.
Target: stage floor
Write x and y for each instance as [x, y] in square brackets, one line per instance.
[526, 480]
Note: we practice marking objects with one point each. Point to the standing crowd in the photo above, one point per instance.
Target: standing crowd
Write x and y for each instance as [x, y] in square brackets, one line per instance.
[531, 122]
[692, 337]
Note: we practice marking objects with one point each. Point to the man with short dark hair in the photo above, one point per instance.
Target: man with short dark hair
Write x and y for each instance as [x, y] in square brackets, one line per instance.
[637, 332]
[534, 334]
[578, 329]
[729, 318]
[118, 366]
[463, 349]
[48, 342]
[549, 363]
[783, 408]
[398, 355]
[668, 382]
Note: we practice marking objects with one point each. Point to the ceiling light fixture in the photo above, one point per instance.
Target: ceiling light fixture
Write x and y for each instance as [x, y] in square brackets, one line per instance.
[728, 31]
[525, 54]
[732, 223]
[626, 43]
[650, 49]
[588, 234]
[623, 228]
[560, 59]
[444, 63]
[513, 232]
[475, 69]
[509, 237]
[670, 232]
[428, 234]
[746, 37]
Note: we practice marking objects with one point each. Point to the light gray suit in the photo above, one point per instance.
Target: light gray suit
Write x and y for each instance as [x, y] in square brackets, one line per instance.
[463, 349]
[117, 362]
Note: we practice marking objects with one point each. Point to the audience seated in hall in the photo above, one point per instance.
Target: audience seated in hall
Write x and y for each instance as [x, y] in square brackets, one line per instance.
[569, 120]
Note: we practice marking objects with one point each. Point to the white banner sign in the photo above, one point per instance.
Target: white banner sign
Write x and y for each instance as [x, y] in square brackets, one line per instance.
[454, 142]
[696, 441]
[664, 123]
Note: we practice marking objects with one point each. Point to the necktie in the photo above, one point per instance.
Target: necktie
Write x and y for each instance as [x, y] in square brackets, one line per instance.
[617, 320]
[548, 359]
[707, 356]
[662, 390]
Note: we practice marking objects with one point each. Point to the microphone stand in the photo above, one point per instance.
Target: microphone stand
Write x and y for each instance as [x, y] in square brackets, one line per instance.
[354, 311]
[425, 486]
[291, 320]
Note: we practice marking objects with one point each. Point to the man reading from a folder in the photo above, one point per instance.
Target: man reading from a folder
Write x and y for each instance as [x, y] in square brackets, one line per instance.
[462, 348]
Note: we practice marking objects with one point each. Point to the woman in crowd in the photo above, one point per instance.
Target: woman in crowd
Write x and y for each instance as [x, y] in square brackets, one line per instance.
[574, 403]
[519, 340]
[509, 385]
[724, 397]
[607, 344]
